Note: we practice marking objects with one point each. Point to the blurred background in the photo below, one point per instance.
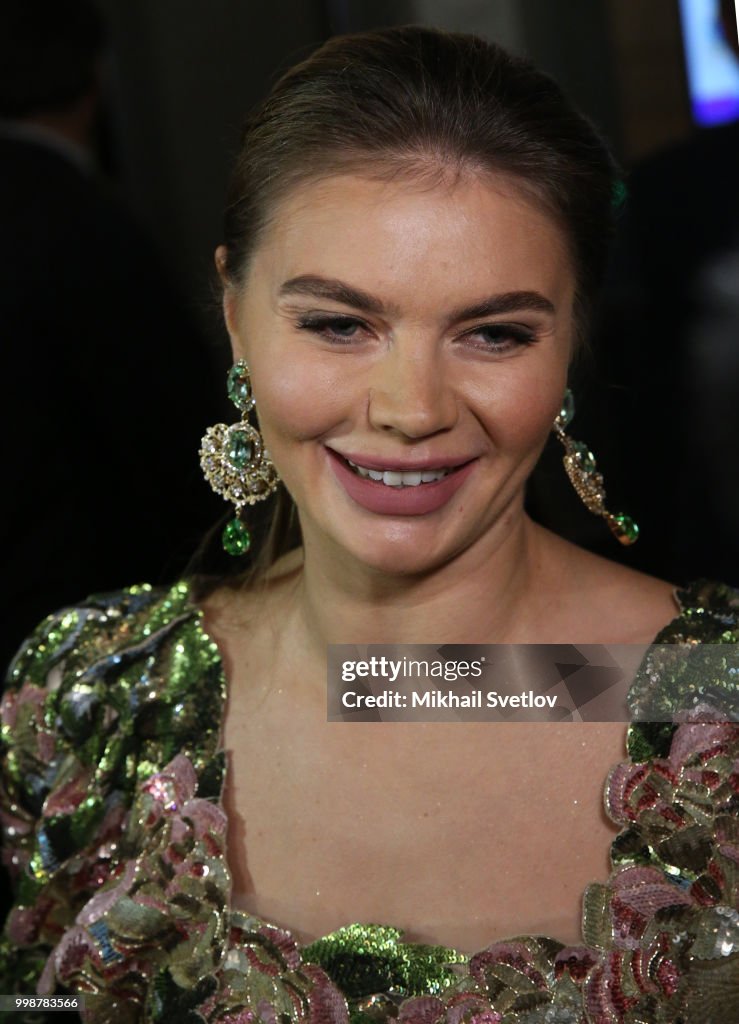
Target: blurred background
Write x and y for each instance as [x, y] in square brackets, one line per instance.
[180, 80]
[113, 355]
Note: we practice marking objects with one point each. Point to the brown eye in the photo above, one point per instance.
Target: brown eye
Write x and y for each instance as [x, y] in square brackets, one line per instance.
[339, 329]
[344, 328]
[501, 337]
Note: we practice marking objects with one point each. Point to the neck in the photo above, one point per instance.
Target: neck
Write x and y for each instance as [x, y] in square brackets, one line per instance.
[482, 596]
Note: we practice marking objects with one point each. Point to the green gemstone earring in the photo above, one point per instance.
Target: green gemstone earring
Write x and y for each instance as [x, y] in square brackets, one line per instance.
[585, 478]
[235, 462]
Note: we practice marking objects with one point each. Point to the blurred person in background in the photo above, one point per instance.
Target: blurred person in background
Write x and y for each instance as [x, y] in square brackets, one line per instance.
[104, 372]
[666, 427]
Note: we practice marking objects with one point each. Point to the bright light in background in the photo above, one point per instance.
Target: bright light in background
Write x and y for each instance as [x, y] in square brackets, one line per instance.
[713, 70]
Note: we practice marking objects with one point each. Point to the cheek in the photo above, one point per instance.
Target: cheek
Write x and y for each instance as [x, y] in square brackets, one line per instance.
[297, 399]
[518, 410]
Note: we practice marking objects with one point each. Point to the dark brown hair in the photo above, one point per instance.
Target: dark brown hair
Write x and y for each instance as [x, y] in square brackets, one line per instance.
[419, 101]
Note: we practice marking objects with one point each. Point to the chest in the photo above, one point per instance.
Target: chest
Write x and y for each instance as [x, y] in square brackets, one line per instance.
[457, 833]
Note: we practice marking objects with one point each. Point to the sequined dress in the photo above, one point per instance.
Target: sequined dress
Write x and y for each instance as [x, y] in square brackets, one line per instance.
[115, 837]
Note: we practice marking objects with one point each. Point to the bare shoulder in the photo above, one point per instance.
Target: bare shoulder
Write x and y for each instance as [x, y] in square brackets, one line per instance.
[612, 602]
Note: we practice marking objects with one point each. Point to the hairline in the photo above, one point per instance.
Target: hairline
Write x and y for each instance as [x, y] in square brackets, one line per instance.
[430, 169]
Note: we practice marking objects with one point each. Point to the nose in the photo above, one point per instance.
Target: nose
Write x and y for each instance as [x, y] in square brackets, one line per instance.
[409, 391]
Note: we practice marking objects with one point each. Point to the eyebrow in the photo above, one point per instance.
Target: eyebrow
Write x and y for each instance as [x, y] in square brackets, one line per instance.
[330, 288]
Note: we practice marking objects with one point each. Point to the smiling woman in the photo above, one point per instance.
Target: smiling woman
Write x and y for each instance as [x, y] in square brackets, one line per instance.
[435, 346]
[415, 233]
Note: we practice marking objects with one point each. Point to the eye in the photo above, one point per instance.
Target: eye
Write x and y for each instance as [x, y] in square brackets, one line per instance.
[340, 330]
[500, 337]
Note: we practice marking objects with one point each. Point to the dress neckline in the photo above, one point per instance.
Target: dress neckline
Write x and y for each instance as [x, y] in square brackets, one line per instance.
[118, 701]
[367, 934]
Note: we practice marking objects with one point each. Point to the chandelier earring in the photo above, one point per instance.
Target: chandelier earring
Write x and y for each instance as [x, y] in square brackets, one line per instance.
[579, 462]
[235, 462]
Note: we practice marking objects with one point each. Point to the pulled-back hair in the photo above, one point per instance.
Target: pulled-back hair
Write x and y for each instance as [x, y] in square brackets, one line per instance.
[419, 101]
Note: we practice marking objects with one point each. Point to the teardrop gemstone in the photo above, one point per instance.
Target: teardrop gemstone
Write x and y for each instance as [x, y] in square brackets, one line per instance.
[236, 538]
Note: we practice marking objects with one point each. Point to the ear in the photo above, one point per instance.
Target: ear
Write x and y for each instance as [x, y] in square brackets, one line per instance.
[230, 302]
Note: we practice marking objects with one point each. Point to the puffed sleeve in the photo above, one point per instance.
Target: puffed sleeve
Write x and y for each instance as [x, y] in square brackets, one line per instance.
[47, 811]
[100, 698]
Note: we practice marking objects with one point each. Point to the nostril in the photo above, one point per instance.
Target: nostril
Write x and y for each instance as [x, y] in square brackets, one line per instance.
[413, 410]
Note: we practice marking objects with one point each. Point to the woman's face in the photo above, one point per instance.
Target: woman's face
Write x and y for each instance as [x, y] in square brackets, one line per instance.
[408, 347]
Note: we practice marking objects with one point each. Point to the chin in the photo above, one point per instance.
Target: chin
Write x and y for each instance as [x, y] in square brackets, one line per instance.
[401, 552]
[401, 565]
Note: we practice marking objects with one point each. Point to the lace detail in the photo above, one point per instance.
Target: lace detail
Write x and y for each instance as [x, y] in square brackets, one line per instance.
[116, 840]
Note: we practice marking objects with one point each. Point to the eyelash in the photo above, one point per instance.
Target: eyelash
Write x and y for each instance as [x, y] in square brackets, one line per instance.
[327, 325]
[513, 335]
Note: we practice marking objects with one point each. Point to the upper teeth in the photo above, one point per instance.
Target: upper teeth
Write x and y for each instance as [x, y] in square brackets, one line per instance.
[392, 478]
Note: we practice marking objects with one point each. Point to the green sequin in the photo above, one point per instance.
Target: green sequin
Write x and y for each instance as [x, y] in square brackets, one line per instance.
[112, 775]
[366, 959]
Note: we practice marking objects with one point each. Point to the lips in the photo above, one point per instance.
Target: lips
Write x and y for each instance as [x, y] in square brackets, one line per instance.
[396, 488]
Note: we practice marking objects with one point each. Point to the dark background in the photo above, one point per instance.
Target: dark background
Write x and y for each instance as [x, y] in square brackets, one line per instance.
[182, 77]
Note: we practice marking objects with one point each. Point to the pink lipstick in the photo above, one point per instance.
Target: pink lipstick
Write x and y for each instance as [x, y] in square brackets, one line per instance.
[384, 499]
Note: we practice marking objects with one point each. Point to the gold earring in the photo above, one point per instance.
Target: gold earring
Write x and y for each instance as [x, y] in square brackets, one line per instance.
[579, 462]
[235, 462]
